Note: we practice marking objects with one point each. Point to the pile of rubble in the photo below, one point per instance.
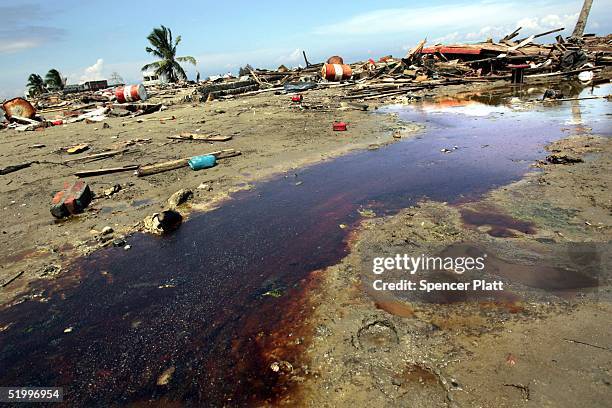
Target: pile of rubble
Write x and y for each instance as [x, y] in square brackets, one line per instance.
[511, 58]
[425, 66]
[57, 108]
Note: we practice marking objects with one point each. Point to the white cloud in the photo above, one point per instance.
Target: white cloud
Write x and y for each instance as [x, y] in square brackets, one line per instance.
[500, 18]
[422, 19]
[448, 38]
[530, 25]
[293, 57]
[93, 72]
[486, 32]
[16, 46]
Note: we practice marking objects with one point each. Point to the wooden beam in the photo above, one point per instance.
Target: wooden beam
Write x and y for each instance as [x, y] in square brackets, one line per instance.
[15, 167]
[204, 138]
[100, 172]
[177, 164]
[305, 59]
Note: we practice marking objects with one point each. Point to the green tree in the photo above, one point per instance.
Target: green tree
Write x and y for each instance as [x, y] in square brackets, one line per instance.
[36, 85]
[53, 80]
[164, 48]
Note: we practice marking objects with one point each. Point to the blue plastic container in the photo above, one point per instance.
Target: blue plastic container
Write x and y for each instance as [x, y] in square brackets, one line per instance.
[202, 162]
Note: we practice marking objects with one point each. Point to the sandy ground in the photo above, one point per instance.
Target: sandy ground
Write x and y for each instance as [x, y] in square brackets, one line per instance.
[536, 348]
[273, 135]
[539, 347]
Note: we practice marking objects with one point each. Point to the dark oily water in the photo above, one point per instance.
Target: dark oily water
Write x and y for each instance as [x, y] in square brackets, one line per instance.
[198, 317]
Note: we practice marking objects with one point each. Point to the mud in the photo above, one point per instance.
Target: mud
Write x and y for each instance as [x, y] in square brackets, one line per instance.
[153, 296]
[547, 236]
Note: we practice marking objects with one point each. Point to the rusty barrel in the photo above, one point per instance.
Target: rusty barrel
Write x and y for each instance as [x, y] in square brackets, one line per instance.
[131, 93]
[335, 60]
[336, 72]
[19, 107]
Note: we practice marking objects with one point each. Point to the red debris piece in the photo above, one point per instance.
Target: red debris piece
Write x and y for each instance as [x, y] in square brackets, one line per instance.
[339, 126]
[71, 200]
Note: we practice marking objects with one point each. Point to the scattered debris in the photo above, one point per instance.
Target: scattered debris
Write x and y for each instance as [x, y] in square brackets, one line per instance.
[14, 167]
[18, 107]
[107, 230]
[13, 279]
[73, 199]
[180, 197]
[339, 126]
[366, 212]
[562, 159]
[205, 138]
[164, 222]
[177, 164]
[587, 344]
[281, 367]
[131, 93]
[166, 376]
[112, 190]
[523, 388]
[202, 162]
[77, 148]
[100, 172]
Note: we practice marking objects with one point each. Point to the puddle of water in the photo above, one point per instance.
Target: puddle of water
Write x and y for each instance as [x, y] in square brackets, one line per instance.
[141, 203]
[194, 300]
[500, 225]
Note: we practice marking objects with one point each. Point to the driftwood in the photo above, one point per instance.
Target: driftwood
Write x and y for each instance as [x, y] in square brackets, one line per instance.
[177, 164]
[511, 35]
[97, 156]
[259, 81]
[204, 138]
[161, 167]
[24, 121]
[305, 59]
[15, 167]
[100, 172]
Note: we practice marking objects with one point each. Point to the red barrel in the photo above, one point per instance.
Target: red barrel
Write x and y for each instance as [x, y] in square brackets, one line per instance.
[131, 93]
[336, 72]
[335, 60]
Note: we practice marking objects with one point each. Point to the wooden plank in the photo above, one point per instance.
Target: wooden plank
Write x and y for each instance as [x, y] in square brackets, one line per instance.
[100, 172]
[15, 167]
[461, 50]
[511, 35]
[97, 156]
[204, 138]
[177, 164]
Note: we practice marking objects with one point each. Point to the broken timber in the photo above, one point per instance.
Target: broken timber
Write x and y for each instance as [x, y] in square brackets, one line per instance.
[177, 164]
[100, 172]
[15, 167]
[204, 138]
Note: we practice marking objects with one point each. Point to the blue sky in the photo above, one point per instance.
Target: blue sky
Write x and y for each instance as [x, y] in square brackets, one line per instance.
[91, 39]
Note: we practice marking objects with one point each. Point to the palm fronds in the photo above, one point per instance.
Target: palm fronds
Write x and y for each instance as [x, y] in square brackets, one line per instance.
[163, 47]
[36, 85]
[53, 80]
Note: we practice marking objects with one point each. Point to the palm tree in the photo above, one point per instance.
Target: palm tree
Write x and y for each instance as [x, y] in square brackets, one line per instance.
[53, 80]
[164, 48]
[36, 85]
